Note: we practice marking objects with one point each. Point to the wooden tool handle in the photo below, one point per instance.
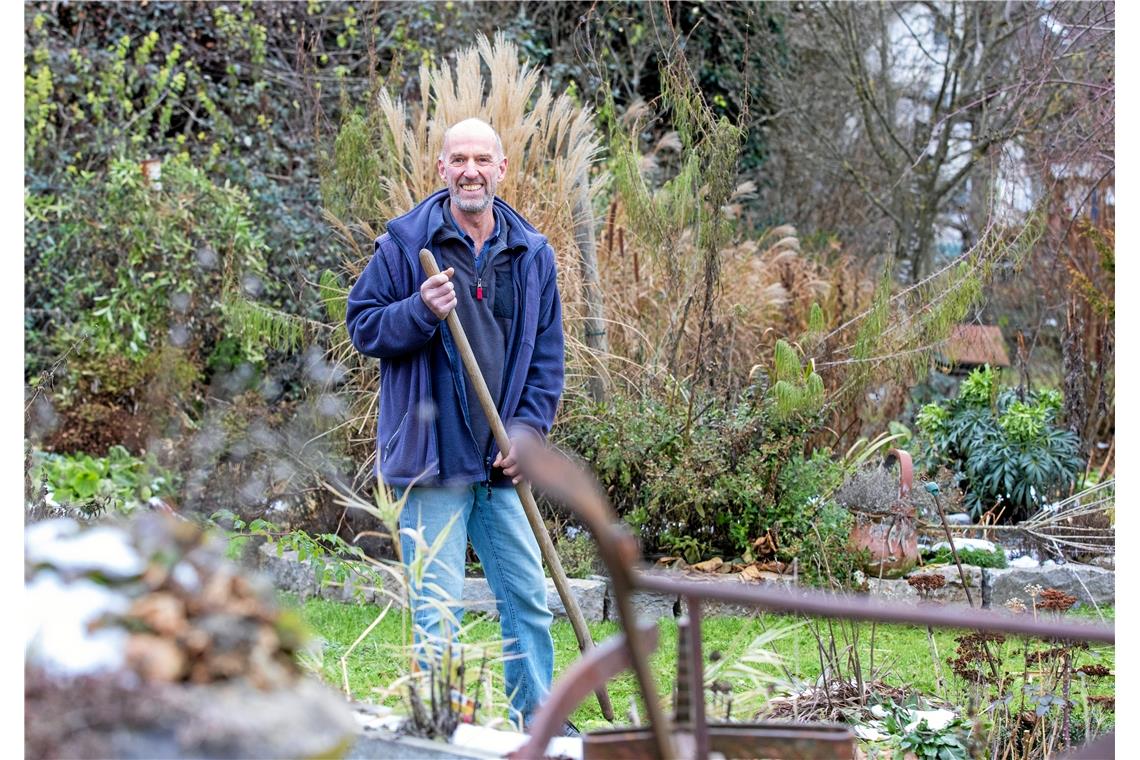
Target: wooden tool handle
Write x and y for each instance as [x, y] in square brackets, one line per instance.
[474, 374]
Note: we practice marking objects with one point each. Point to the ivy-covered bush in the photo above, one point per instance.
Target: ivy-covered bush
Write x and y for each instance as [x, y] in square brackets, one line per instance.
[114, 84]
[1010, 454]
[150, 306]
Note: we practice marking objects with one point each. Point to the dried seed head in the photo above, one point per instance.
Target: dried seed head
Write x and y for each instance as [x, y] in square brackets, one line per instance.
[926, 583]
[1096, 671]
[1055, 600]
[1016, 605]
[1108, 703]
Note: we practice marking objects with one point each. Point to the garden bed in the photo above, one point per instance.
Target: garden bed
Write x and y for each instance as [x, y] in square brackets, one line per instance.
[896, 658]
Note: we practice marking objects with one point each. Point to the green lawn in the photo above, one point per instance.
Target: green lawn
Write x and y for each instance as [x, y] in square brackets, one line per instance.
[902, 656]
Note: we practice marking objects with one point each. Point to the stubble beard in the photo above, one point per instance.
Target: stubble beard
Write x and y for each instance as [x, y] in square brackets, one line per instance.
[469, 205]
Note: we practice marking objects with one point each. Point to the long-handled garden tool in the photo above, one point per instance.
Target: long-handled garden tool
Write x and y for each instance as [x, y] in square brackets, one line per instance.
[557, 574]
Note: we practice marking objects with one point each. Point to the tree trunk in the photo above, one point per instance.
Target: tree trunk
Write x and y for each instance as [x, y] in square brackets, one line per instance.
[1075, 383]
[596, 339]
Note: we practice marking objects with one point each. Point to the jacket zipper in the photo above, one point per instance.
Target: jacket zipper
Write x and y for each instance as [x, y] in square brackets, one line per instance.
[519, 299]
[392, 439]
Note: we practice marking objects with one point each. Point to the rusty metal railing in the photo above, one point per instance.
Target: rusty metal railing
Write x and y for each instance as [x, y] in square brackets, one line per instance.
[572, 485]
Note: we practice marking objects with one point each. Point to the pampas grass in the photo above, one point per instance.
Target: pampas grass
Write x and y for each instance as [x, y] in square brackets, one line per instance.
[551, 150]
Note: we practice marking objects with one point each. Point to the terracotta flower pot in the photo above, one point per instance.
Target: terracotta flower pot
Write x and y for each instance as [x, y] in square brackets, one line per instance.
[890, 537]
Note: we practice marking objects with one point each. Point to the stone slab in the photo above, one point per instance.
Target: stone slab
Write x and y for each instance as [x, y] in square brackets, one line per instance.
[717, 608]
[289, 573]
[233, 719]
[1108, 562]
[372, 745]
[655, 605]
[595, 595]
[590, 594]
[648, 606]
[1086, 582]
[888, 590]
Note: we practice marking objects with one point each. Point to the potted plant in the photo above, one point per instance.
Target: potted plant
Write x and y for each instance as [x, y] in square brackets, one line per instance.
[884, 524]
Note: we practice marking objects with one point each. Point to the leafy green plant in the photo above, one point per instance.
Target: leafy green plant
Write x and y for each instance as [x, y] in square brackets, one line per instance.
[155, 270]
[735, 478]
[797, 389]
[863, 449]
[334, 559]
[578, 553]
[918, 737]
[119, 482]
[1008, 450]
[975, 557]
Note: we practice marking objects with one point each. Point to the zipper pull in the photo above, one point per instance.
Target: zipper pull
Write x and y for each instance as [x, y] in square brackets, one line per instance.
[479, 289]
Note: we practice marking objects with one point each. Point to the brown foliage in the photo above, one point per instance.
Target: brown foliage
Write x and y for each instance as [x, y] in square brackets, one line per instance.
[1055, 600]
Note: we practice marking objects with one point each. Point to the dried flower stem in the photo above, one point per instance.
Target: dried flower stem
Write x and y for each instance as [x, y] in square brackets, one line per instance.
[937, 664]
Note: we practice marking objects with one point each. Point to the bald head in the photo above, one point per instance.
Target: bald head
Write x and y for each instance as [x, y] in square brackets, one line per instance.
[467, 129]
[472, 164]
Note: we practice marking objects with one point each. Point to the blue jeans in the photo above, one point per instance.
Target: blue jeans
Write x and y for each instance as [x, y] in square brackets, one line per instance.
[509, 552]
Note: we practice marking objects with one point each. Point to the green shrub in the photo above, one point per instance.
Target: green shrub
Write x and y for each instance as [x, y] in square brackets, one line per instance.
[1008, 450]
[120, 82]
[734, 478]
[140, 266]
[578, 554]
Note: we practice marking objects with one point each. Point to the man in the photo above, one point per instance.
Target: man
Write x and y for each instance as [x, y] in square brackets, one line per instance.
[434, 442]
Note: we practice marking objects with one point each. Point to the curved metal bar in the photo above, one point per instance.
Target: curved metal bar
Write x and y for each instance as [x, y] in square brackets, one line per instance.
[572, 485]
[832, 605]
[594, 667]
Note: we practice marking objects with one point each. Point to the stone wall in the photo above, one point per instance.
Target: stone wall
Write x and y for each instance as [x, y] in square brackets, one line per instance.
[290, 573]
[1091, 585]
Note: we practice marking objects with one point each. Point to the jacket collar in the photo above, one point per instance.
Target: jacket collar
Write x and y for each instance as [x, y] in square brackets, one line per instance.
[442, 226]
[413, 230]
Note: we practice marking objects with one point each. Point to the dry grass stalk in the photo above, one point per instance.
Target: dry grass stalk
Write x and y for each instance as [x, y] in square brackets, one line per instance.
[834, 702]
[652, 297]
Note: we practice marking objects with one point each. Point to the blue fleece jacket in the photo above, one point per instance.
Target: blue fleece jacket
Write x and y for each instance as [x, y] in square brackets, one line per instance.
[388, 320]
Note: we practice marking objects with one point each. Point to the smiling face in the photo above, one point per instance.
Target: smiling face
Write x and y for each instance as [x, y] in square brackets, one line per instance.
[472, 164]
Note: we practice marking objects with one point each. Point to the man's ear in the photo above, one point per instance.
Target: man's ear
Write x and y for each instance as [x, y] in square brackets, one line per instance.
[439, 169]
[503, 168]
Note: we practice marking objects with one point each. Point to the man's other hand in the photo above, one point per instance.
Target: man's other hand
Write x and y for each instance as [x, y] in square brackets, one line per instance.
[510, 463]
[438, 293]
